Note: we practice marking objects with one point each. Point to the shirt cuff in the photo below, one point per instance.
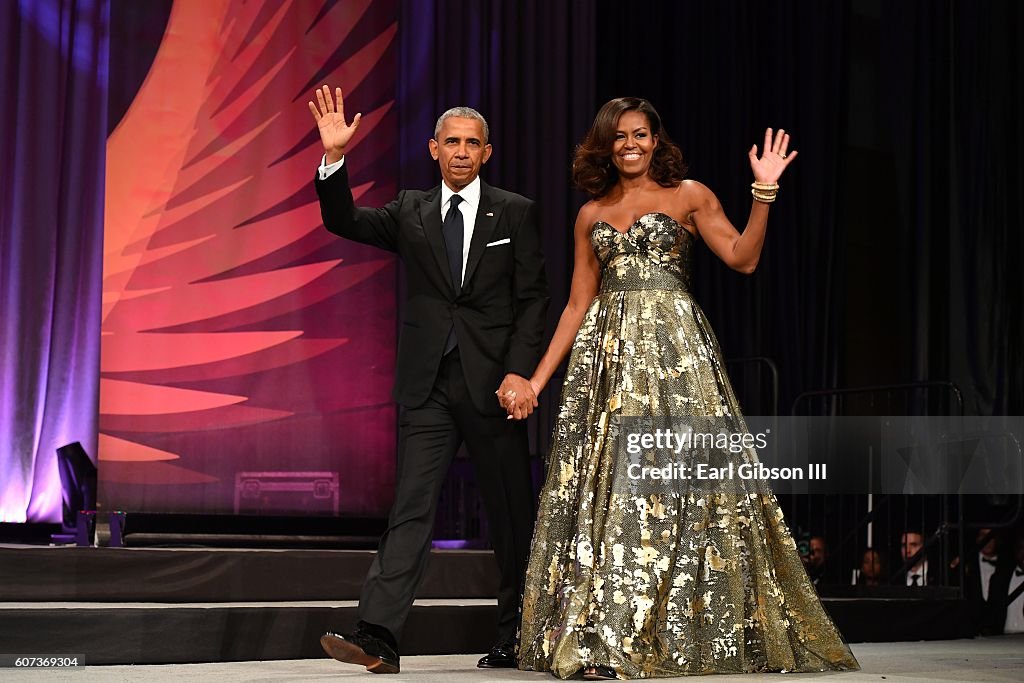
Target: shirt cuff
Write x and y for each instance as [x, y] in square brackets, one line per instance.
[327, 169]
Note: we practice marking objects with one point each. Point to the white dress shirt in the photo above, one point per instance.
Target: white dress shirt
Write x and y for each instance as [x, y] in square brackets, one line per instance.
[326, 169]
[470, 203]
[985, 571]
[921, 571]
[1015, 610]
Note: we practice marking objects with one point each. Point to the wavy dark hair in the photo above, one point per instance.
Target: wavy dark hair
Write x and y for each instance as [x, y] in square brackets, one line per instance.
[592, 168]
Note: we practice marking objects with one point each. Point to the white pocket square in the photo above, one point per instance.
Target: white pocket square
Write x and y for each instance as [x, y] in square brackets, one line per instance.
[497, 242]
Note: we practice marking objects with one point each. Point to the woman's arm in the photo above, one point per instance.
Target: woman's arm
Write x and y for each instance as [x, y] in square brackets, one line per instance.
[586, 278]
[740, 251]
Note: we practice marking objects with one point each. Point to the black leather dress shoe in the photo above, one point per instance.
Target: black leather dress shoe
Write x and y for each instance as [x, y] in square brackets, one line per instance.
[361, 648]
[501, 656]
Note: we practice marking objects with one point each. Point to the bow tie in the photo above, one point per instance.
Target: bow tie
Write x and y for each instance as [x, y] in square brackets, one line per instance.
[991, 561]
[1018, 572]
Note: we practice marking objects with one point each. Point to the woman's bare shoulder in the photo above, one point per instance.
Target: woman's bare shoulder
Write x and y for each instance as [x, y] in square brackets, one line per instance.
[695, 195]
[693, 188]
[595, 208]
[587, 214]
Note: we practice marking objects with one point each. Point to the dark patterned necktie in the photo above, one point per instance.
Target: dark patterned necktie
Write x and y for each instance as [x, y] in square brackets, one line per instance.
[452, 231]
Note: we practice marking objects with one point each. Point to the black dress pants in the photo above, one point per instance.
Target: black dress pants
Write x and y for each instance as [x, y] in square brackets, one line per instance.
[429, 437]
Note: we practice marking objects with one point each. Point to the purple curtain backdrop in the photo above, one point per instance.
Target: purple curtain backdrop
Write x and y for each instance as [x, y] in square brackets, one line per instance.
[53, 65]
[528, 67]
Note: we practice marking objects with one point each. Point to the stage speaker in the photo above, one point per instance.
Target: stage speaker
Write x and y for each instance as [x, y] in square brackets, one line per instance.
[77, 482]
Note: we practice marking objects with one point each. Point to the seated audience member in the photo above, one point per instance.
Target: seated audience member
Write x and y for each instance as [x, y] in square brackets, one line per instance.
[911, 545]
[872, 569]
[984, 562]
[981, 565]
[1006, 591]
[817, 561]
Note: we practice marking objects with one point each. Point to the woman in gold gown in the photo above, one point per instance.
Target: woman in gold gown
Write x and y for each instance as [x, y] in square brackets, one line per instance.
[636, 577]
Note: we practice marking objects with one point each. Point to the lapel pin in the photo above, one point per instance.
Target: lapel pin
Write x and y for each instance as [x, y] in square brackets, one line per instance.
[491, 214]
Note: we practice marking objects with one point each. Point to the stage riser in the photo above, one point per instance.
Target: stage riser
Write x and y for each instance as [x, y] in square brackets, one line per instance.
[885, 621]
[168, 631]
[174, 635]
[179, 575]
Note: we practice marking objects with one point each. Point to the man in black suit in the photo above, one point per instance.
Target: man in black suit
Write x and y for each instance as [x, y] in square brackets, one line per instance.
[473, 327]
[1006, 592]
[987, 566]
[912, 550]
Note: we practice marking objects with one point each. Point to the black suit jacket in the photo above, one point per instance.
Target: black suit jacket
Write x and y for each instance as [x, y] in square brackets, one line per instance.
[499, 315]
[998, 595]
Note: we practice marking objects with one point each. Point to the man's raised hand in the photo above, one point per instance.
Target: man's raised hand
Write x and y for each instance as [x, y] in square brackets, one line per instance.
[335, 132]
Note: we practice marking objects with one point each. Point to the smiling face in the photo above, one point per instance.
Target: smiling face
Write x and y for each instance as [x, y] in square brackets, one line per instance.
[460, 149]
[634, 145]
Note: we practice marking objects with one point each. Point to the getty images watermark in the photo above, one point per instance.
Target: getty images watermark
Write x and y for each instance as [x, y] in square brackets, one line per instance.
[829, 455]
[693, 443]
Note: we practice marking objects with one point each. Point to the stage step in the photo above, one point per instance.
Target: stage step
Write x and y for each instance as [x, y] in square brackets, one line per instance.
[67, 573]
[155, 633]
[163, 605]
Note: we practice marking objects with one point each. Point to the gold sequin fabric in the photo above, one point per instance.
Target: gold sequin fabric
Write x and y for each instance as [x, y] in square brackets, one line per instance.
[658, 577]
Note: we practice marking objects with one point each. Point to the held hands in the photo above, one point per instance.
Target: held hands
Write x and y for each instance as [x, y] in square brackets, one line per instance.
[775, 159]
[517, 396]
[335, 132]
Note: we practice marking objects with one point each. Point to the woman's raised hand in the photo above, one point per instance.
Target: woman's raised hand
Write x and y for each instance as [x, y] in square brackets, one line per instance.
[769, 167]
[335, 132]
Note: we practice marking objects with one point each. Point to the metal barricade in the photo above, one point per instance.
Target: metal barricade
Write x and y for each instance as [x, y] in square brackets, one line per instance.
[876, 539]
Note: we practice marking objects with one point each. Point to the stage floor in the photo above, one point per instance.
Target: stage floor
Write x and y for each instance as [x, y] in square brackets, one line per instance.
[981, 659]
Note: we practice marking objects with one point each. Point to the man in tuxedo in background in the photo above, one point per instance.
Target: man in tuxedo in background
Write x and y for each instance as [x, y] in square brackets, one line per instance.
[986, 563]
[1006, 591]
[911, 547]
[473, 326]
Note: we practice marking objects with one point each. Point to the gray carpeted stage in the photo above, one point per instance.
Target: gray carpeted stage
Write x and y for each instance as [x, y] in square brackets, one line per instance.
[981, 659]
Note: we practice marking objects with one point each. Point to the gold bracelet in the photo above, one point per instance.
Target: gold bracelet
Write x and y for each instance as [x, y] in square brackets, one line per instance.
[764, 192]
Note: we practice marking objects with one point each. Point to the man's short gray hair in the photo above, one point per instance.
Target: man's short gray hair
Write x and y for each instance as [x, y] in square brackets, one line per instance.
[462, 113]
